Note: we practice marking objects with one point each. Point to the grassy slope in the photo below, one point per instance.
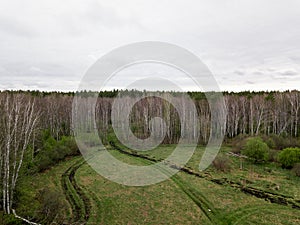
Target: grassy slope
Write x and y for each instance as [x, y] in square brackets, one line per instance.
[28, 204]
[121, 205]
[256, 174]
[184, 199]
[162, 203]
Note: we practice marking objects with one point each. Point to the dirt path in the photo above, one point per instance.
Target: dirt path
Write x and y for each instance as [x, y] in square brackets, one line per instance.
[212, 214]
[80, 203]
[205, 206]
[263, 194]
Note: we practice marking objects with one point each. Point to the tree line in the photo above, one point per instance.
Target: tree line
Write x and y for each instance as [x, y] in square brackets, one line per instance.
[26, 115]
[250, 113]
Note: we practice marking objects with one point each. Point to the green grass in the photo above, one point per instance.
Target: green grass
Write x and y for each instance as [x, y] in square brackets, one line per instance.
[255, 173]
[29, 206]
[183, 199]
[155, 204]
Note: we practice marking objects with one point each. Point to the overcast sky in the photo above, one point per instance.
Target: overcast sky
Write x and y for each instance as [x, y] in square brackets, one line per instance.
[246, 44]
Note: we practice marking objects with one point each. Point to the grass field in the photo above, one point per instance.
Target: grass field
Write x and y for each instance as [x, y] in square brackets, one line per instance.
[183, 199]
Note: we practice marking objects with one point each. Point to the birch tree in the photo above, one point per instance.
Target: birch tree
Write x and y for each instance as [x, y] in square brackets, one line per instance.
[18, 120]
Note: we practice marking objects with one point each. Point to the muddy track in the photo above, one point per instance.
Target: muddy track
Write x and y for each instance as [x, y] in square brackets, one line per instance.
[262, 194]
[206, 207]
[80, 203]
[209, 211]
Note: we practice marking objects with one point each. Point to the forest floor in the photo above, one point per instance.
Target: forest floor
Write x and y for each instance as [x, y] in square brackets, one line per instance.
[255, 194]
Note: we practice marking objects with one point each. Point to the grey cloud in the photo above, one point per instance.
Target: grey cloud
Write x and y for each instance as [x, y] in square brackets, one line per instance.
[103, 16]
[95, 18]
[47, 70]
[295, 58]
[239, 72]
[270, 69]
[258, 73]
[289, 73]
[14, 27]
[50, 42]
[294, 80]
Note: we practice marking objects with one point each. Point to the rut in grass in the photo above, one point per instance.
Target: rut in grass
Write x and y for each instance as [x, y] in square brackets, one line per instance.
[80, 203]
[206, 207]
[262, 194]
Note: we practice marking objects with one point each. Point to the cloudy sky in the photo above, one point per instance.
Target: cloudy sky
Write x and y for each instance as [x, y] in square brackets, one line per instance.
[246, 44]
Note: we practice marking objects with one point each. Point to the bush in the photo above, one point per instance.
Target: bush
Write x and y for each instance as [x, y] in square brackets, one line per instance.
[271, 143]
[296, 169]
[256, 150]
[43, 161]
[239, 143]
[222, 163]
[70, 144]
[54, 151]
[273, 155]
[281, 142]
[10, 220]
[52, 206]
[288, 157]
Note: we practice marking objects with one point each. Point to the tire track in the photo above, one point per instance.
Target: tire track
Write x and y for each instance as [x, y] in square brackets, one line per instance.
[212, 214]
[205, 206]
[263, 194]
[80, 203]
[244, 213]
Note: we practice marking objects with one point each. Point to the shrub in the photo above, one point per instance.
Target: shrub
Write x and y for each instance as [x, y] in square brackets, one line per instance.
[273, 155]
[70, 145]
[52, 206]
[256, 150]
[239, 143]
[288, 157]
[54, 151]
[296, 169]
[281, 142]
[271, 143]
[222, 163]
[43, 161]
[10, 220]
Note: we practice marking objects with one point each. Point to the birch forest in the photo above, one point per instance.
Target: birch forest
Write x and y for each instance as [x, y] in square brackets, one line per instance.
[26, 116]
